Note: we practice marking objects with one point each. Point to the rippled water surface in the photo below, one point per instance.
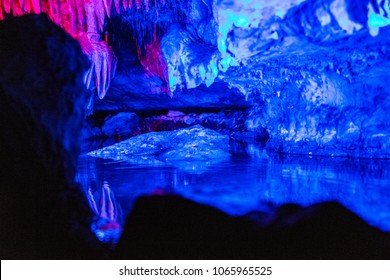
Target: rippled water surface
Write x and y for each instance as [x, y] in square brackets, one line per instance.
[237, 186]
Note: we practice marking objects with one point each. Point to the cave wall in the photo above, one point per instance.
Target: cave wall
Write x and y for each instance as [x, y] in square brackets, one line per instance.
[314, 71]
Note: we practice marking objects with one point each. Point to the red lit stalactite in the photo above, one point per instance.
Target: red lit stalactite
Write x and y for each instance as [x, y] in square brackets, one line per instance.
[84, 20]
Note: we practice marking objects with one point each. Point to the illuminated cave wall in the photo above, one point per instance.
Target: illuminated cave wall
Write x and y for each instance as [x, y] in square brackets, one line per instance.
[313, 72]
[240, 29]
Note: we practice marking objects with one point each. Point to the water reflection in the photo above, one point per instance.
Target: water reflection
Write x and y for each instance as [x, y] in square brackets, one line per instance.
[238, 186]
[108, 221]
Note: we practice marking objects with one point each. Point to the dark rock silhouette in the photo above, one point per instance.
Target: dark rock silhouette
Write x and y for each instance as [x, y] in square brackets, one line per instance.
[122, 124]
[41, 112]
[171, 227]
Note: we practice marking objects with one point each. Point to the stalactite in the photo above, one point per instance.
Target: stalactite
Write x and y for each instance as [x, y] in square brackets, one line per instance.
[36, 6]
[80, 16]
[16, 8]
[27, 6]
[138, 3]
[152, 60]
[107, 6]
[117, 6]
[65, 16]
[100, 14]
[84, 20]
[125, 4]
[156, 5]
[147, 5]
[103, 63]
[72, 17]
[7, 6]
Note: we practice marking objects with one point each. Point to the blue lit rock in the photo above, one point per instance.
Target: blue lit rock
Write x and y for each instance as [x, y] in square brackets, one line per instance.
[189, 62]
[314, 72]
[131, 90]
[120, 124]
[321, 100]
[225, 122]
[244, 29]
[190, 148]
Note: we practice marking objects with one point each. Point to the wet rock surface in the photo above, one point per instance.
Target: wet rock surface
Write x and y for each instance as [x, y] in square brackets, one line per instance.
[227, 122]
[184, 147]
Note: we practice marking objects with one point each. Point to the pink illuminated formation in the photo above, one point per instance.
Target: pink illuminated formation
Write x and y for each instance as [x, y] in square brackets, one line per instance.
[154, 63]
[84, 20]
[103, 64]
[106, 209]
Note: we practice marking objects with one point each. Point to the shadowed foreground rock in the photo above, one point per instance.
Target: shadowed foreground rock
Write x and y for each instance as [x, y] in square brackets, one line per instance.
[171, 227]
[41, 112]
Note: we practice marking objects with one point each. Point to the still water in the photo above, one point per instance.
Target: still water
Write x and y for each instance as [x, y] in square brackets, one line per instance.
[237, 186]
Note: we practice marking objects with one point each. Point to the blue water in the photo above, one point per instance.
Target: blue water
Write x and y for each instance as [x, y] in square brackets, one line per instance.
[238, 186]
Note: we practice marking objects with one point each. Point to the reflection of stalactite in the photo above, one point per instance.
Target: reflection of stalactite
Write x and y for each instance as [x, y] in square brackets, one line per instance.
[108, 204]
[107, 224]
[101, 199]
[108, 213]
[107, 208]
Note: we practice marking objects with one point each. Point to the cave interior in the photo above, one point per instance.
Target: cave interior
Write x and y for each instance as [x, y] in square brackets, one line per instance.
[195, 129]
